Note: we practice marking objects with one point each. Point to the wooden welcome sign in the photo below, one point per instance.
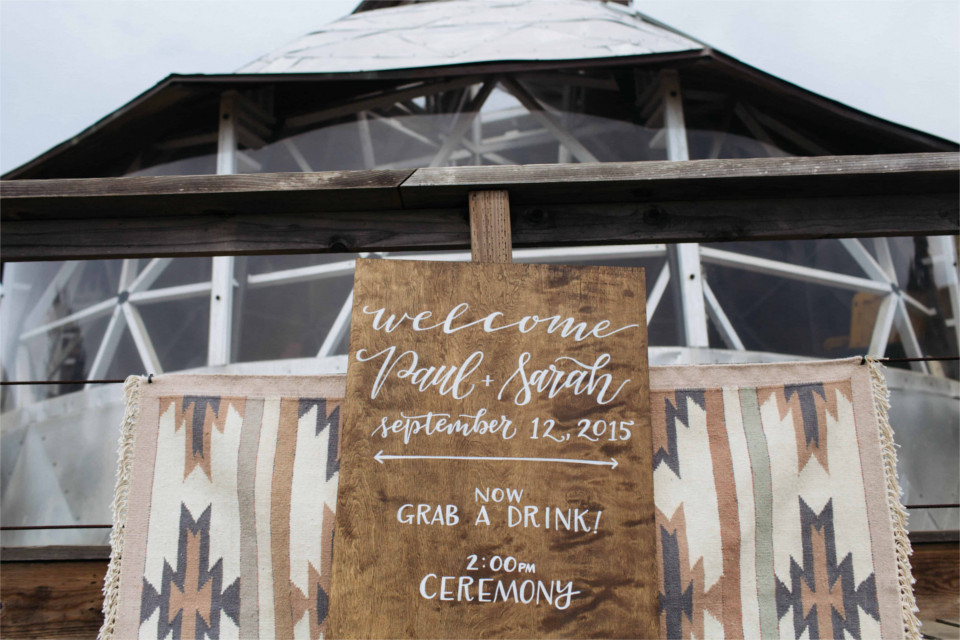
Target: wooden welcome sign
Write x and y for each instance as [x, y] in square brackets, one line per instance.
[496, 478]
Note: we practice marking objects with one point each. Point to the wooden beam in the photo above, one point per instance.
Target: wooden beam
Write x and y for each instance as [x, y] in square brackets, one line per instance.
[734, 220]
[210, 234]
[52, 599]
[259, 193]
[553, 205]
[57, 596]
[51, 553]
[448, 229]
[937, 571]
[914, 173]
[490, 239]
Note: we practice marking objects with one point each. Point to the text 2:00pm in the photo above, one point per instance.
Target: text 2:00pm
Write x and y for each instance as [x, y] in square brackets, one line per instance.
[506, 564]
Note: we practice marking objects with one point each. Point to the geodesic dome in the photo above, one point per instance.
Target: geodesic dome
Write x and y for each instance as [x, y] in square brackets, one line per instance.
[461, 82]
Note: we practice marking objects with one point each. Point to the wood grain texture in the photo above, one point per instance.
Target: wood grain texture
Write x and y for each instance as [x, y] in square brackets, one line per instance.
[490, 238]
[664, 180]
[28, 597]
[52, 599]
[606, 203]
[936, 568]
[782, 218]
[170, 195]
[941, 535]
[235, 234]
[608, 554]
[435, 229]
[55, 552]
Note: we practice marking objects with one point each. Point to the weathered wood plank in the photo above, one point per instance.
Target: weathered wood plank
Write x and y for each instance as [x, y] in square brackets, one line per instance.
[709, 200]
[913, 173]
[936, 567]
[533, 226]
[52, 599]
[235, 233]
[33, 599]
[448, 186]
[54, 552]
[490, 238]
[942, 535]
[735, 219]
[178, 195]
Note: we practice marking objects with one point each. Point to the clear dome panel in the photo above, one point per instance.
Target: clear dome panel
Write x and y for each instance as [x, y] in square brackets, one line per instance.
[813, 319]
[83, 320]
[202, 164]
[55, 324]
[287, 265]
[541, 119]
[838, 298]
[537, 118]
[827, 255]
[76, 321]
[413, 141]
[179, 331]
[181, 271]
[291, 319]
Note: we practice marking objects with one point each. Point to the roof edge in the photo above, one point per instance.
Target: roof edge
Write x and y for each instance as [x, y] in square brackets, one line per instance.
[411, 73]
[73, 141]
[735, 66]
[840, 108]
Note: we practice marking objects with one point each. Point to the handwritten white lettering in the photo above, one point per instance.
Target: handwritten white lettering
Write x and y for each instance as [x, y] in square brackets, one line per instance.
[585, 379]
[447, 379]
[431, 423]
[564, 327]
[555, 593]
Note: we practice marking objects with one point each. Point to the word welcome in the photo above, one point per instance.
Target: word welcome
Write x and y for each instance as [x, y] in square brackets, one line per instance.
[565, 327]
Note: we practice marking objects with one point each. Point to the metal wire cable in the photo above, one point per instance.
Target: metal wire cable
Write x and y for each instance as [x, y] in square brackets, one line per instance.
[41, 527]
[121, 380]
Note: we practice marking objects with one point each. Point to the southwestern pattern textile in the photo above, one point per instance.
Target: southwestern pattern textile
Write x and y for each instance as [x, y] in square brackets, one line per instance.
[778, 513]
[777, 508]
[228, 488]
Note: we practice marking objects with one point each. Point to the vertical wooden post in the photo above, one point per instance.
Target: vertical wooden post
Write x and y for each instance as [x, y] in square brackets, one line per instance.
[490, 239]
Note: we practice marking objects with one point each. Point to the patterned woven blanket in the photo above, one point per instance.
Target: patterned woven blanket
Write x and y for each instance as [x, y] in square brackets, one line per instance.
[778, 511]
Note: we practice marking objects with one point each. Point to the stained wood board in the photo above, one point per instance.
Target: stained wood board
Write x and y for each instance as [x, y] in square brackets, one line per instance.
[534, 517]
[52, 599]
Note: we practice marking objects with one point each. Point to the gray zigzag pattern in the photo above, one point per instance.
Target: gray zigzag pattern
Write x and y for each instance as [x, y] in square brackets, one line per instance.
[863, 597]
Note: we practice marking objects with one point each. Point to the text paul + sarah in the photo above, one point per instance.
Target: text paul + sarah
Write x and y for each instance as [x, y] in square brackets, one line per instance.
[457, 379]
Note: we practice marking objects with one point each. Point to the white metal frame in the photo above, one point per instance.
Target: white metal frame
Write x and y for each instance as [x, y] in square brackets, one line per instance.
[684, 258]
[244, 123]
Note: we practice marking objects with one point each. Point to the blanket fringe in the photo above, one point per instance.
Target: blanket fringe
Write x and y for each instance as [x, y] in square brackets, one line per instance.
[898, 515]
[111, 583]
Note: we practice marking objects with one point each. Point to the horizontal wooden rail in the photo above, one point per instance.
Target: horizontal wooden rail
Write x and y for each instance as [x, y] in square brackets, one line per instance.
[56, 592]
[551, 205]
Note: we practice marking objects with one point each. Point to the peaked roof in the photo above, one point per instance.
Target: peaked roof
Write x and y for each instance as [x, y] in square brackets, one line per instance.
[470, 31]
[427, 43]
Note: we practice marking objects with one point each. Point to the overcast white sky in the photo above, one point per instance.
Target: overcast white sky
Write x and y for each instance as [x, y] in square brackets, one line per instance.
[66, 64]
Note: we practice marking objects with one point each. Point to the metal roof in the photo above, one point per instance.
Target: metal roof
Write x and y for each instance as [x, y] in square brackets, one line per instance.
[469, 31]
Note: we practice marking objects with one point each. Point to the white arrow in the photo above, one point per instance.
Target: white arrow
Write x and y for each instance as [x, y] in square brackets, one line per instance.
[381, 456]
